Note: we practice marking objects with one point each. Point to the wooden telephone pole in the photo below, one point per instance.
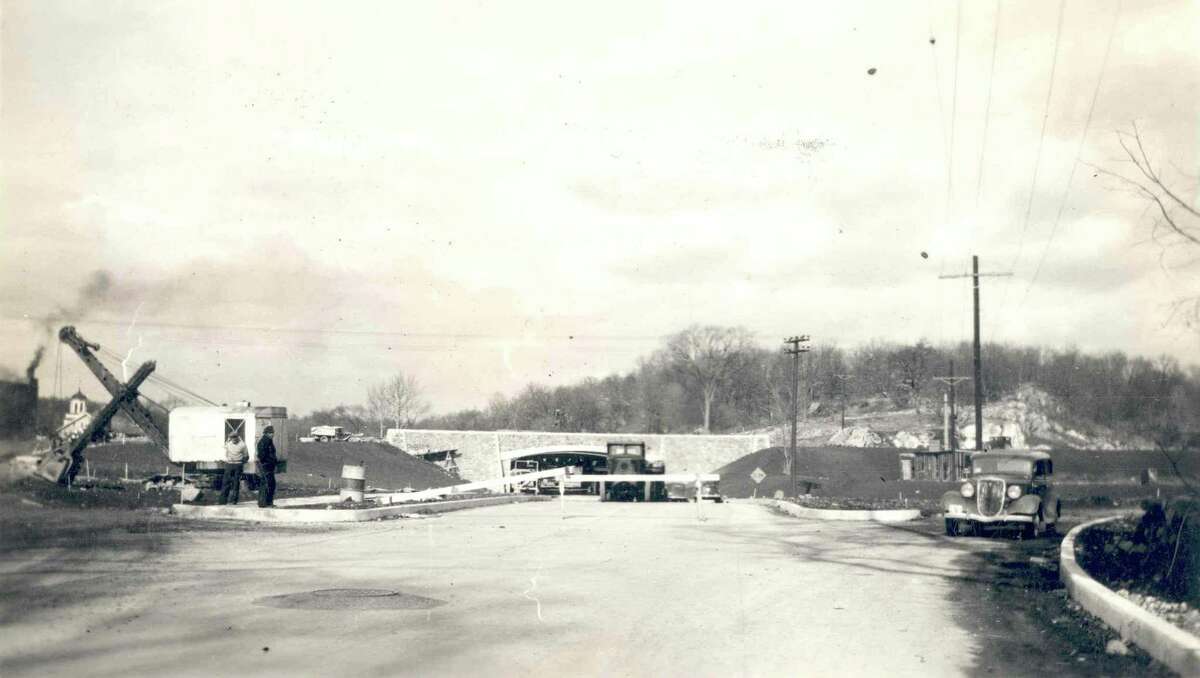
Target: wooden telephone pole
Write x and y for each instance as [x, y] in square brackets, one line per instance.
[842, 393]
[794, 350]
[950, 430]
[976, 275]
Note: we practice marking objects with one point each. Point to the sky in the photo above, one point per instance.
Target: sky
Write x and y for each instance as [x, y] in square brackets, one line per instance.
[286, 202]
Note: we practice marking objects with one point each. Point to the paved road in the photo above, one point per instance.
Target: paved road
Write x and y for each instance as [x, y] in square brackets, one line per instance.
[612, 590]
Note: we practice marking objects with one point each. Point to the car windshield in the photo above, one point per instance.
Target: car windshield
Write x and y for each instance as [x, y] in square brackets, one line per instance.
[1002, 465]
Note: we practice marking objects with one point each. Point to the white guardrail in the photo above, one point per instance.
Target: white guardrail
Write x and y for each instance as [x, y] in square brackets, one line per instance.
[564, 473]
[388, 498]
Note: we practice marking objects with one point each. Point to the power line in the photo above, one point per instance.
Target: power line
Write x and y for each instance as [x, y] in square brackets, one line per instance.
[954, 101]
[987, 109]
[171, 387]
[937, 83]
[340, 331]
[1078, 151]
[1037, 164]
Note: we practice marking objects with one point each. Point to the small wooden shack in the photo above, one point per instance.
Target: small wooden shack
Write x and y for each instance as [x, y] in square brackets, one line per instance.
[932, 464]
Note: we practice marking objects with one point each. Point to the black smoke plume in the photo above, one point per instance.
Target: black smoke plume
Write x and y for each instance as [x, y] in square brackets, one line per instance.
[94, 293]
[33, 364]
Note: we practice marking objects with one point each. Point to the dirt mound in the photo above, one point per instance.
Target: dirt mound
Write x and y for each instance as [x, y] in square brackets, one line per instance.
[871, 472]
[387, 467]
[834, 467]
[310, 465]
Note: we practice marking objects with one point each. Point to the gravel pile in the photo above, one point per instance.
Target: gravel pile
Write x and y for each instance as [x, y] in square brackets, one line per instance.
[1182, 615]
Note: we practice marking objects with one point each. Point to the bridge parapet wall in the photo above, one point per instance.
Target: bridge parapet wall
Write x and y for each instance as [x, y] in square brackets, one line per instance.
[480, 450]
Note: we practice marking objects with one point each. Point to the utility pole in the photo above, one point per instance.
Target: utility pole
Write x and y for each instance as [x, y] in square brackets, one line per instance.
[795, 350]
[842, 395]
[975, 275]
[951, 427]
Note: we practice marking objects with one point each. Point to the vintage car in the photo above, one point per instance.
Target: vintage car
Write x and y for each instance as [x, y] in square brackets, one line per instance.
[709, 489]
[573, 483]
[1006, 488]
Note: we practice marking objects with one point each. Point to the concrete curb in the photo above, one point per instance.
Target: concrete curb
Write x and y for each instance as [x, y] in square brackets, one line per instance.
[252, 513]
[1164, 641]
[876, 516]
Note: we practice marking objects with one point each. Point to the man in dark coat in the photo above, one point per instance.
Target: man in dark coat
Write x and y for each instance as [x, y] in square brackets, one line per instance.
[266, 468]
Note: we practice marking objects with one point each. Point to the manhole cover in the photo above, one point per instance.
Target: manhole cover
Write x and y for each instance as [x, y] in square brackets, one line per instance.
[351, 599]
[353, 593]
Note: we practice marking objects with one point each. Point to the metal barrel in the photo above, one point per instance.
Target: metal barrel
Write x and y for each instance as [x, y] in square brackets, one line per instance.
[354, 482]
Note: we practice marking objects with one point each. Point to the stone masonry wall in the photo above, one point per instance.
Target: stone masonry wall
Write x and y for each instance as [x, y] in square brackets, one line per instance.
[480, 450]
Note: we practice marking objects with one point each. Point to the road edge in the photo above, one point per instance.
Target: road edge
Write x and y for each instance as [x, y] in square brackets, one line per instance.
[284, 515]
[1161, 639]
[875, 516]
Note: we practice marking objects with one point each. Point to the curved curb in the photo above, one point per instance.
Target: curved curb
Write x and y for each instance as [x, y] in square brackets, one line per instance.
[875, 516]
[1161, 639]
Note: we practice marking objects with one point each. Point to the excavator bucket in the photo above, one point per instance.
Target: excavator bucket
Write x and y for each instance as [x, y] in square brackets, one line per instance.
[56, 466]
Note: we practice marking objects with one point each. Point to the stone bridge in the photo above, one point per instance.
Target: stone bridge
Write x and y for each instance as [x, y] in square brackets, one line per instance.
[486, 454]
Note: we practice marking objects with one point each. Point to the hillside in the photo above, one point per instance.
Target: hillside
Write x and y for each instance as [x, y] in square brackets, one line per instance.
[874, 472]
[312, 465]
[1031, 417]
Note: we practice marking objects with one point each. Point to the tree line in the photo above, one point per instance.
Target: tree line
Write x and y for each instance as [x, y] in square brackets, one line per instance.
[717, 379]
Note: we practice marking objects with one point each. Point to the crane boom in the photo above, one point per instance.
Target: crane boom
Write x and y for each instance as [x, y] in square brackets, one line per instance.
[60, 465]
[125, 400]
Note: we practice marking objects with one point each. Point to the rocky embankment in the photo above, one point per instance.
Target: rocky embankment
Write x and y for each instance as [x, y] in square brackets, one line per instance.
[1029, 418]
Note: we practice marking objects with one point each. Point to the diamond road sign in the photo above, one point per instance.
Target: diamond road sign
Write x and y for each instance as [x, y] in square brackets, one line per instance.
[758, 475]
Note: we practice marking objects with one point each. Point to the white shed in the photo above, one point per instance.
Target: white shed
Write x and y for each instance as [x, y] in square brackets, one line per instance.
[197, 434]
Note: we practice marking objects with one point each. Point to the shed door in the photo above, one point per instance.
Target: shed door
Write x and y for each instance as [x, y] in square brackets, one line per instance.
[235, 426]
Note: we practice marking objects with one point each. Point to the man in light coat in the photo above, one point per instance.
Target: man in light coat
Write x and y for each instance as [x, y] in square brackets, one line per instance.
[235, 459]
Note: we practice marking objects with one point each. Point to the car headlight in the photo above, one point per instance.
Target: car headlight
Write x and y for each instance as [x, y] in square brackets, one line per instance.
[1014, 491]
[967, 489]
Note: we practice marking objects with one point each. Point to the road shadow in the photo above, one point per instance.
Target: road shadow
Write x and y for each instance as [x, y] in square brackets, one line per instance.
[1025, 621]
[1005, 591]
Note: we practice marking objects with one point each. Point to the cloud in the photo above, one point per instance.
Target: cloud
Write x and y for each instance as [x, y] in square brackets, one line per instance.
[684, 266]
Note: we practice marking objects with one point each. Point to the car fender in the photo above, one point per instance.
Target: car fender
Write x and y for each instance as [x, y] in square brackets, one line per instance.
[1027, 505]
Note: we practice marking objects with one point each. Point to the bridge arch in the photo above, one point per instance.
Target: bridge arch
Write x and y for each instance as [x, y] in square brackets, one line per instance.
[589, 450]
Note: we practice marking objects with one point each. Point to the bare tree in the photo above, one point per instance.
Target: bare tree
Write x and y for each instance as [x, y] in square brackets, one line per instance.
[707, 356]
[1174, 220]
[398, 400]
[911, 365]
[378, 406]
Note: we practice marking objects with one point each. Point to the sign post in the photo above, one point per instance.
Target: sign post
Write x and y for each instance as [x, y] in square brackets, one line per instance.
[757, 476]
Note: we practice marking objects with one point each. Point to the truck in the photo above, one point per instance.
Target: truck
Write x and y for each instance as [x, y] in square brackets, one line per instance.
[325, 433]
[629, 458]
[709, 489]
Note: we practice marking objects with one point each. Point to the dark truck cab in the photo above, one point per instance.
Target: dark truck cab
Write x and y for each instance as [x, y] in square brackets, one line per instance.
[629, 458]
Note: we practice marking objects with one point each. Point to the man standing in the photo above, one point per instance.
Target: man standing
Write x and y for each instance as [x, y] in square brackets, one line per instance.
[266, 468]
[231, 478]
